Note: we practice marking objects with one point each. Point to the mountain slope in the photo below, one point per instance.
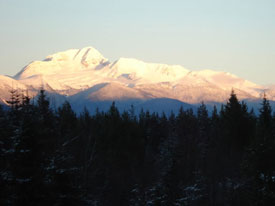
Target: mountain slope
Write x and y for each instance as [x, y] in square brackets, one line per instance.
[86, 75]
[7, 84]
[70, 61]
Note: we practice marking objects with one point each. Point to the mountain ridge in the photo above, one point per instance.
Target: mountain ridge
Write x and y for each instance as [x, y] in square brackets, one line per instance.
[75, 71]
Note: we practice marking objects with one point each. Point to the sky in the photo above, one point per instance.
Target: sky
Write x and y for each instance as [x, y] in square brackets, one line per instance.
[236, 36]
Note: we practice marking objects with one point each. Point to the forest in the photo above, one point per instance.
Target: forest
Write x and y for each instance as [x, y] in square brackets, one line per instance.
[57, 157]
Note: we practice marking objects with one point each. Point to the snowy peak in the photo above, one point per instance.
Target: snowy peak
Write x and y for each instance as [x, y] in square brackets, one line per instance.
[86, 70]
[86, 56]
[227, 81]
[149, 71]
[223, 78]
[70, 61]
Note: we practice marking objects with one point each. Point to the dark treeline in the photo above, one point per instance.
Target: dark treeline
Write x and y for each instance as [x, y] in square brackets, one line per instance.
[192, 158]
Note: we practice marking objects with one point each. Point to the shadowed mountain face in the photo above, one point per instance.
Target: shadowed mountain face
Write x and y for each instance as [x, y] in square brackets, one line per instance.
[158, 105]
[86, 77]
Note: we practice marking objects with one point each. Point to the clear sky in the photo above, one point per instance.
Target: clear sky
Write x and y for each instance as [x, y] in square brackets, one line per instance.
[237, 36]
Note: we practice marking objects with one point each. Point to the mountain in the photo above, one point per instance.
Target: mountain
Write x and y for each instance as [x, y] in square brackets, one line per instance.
[70, 61]
[85, 76]
[8, 84]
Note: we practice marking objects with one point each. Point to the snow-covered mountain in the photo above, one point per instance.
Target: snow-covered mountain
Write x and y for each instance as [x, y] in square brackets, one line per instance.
[85, 75]
[7, 84]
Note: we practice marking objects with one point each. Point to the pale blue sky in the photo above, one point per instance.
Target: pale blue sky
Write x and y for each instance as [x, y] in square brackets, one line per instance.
[236, 36]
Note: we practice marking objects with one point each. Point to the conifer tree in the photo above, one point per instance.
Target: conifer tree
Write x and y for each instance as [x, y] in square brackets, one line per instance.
[203, 135]
[266, 144]
[236, 131]
[67, 121]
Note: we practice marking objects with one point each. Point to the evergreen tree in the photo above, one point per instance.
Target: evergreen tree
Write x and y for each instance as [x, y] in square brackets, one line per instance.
[61, 158]
[14, 101]
[67, 121]
[203, 135]
[237, 131]
[266, 149]
[258, 165]
[6, 146]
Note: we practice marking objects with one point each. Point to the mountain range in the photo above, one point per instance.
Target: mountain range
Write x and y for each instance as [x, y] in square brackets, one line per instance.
[85, 77]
